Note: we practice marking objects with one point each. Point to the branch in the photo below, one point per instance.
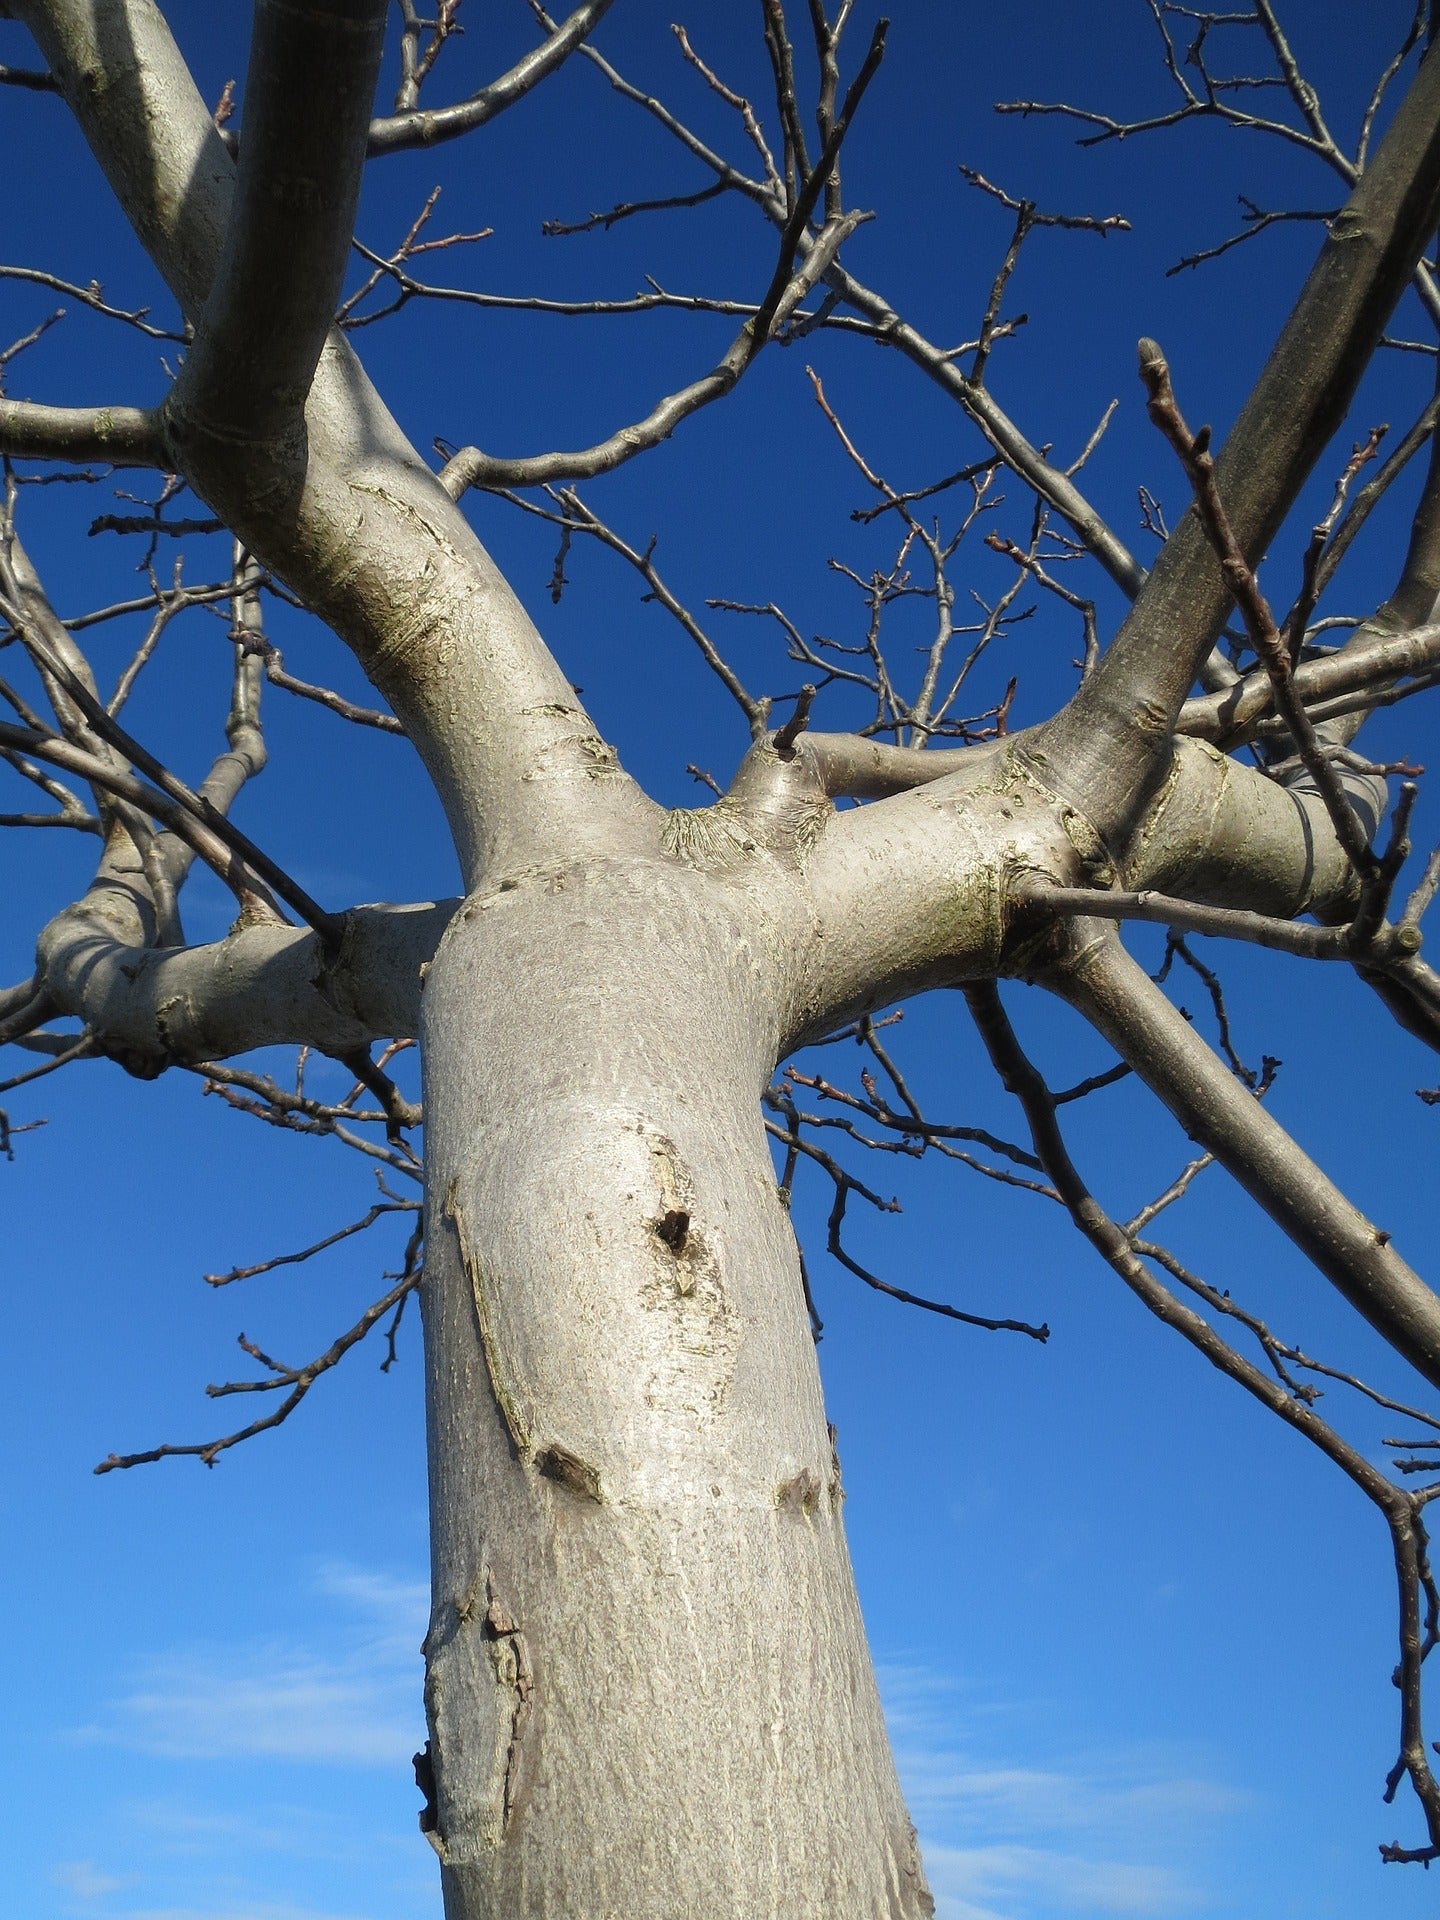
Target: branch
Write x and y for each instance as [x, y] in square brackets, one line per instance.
[1297, 403]
[1220, 923]
[360, 530]
[788, 289]
[120, 436]
[1231, 717]
[1275, 655]
[846, 1184]
[789, 286]
[93, 297]
[427, 127]
[196, 818]
[28, 78]
[377, 1212]
[271, 308]
[1055, 487]
[260, 986]
[1402, 1511]
[1119, 999]
[298, 1379]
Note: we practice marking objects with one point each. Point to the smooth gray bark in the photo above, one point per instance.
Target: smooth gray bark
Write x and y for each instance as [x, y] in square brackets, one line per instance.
[640, 1569]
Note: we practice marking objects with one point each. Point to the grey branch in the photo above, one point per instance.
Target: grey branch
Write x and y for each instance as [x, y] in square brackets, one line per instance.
[119, 436]
[1118, 997]
[428, 126]
[271, 307]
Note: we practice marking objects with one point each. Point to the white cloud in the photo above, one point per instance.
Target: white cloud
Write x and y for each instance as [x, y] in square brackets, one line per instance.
[1091, 1800]
[215, 1703]
[966, 1880]
[79, 1878]
[264, 1910]
[399, 1609]
[355, 1704]
[1076, 1834]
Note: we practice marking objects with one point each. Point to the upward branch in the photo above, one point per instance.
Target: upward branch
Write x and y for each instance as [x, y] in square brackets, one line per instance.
[1123, 714]
[273, 302]
[359, 528]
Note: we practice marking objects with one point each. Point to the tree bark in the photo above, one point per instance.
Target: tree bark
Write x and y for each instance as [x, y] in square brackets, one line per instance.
[648, 1687]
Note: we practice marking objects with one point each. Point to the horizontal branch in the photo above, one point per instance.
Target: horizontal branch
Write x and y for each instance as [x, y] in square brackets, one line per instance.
[119, 436]
[1221, 923]
[1230, 717]
[657, 300]
[852, 767]
[261, 986]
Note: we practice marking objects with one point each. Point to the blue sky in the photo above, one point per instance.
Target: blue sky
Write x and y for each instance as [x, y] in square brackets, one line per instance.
[1134, 1640]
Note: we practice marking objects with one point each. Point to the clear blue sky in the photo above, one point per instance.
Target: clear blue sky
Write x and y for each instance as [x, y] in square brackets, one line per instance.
[1135, 1639]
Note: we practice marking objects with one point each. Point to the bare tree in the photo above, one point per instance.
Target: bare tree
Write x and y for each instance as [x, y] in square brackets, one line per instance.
[648, 1689]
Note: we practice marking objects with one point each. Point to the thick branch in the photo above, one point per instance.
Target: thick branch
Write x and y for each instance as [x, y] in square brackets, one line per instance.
[261, 986]
[1373, 662]
[364, 534]
[1120, 1000]
[288, 243]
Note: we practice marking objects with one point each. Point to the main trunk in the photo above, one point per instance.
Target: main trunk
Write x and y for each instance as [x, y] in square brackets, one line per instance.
[647, 1681]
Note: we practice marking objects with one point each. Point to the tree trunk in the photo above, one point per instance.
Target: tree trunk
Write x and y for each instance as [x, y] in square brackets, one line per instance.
[648, 1687]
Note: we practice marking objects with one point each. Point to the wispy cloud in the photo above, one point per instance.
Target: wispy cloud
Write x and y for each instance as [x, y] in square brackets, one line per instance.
[1104, 1795]
[80, 1880]
[397, 1609]
[264, 1910]
[355, 1704]
[967, 1881]
[1074, 1835]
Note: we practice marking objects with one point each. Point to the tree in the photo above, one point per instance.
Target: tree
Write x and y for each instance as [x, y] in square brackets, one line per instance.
[648, 1689]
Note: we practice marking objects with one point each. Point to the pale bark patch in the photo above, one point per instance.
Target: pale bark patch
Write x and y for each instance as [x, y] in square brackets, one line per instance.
[691, 1369]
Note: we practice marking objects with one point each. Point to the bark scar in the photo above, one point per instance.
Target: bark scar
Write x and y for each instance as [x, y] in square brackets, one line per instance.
[471, 1768]
[672, 1226]
[511, 1659]
[554, 1461]
[501, 1384]
[567, 1469]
